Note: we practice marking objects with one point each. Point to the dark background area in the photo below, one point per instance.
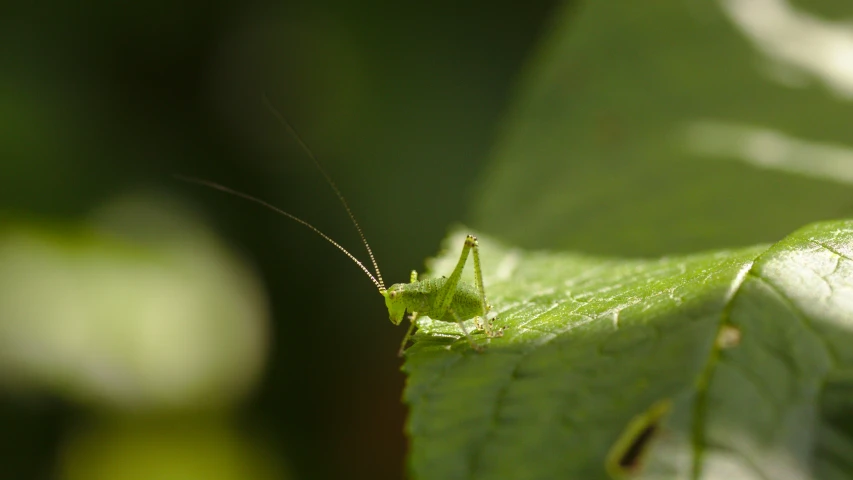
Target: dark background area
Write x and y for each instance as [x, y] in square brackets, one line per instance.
[400, 102]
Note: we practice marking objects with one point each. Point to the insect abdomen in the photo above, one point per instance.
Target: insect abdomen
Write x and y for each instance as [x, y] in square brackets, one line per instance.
[466, 303]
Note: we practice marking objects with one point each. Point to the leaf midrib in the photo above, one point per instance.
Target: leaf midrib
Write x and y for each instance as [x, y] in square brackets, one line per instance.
[704, 380]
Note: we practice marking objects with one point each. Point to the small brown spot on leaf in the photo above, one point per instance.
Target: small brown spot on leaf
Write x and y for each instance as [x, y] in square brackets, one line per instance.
[728, 337]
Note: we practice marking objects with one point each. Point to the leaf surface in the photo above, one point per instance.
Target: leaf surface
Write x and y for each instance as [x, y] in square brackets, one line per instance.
[738, 362]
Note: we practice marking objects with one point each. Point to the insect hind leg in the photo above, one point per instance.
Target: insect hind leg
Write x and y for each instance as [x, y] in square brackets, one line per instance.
[483, 322]
[445, 295]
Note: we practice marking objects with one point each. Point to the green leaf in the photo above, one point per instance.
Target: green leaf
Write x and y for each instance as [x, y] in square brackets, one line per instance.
[653, 131]
[712, 365]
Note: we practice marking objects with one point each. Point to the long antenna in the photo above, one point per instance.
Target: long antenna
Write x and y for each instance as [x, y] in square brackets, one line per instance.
[331, 183]
[257, 200]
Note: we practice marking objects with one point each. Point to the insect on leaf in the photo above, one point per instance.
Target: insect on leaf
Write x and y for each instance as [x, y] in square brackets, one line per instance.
[714, 365]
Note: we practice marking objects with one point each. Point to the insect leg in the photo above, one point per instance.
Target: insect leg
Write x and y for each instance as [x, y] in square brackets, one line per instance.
[478, 283]
[445, 295]
[444, 298]
[412, 319]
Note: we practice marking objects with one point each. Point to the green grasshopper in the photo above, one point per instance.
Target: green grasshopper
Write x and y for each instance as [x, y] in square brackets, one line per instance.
[447, 299]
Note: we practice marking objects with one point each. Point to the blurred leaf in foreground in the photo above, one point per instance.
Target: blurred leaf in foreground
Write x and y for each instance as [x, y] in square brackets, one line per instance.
[710, 366]
[141, 308]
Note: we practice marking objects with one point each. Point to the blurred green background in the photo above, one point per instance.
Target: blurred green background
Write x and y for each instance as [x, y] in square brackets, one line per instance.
[151, 328]
[103, 102]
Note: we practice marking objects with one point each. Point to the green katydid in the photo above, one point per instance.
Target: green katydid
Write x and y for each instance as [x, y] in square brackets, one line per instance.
[447, 299]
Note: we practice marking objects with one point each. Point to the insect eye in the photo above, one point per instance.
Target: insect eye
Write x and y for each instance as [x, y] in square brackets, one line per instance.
[392, 294]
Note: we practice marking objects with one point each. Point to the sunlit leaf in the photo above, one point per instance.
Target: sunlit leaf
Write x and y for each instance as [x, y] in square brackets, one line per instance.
[709, 365]
[674, 129]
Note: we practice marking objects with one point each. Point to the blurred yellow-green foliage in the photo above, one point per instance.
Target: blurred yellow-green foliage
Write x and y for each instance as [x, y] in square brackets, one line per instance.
[153, 328]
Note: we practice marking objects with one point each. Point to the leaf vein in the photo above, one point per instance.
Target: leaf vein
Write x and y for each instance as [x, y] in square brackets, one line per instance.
[831, 250]
[704, 380]
[799, 315]
[476, 457]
